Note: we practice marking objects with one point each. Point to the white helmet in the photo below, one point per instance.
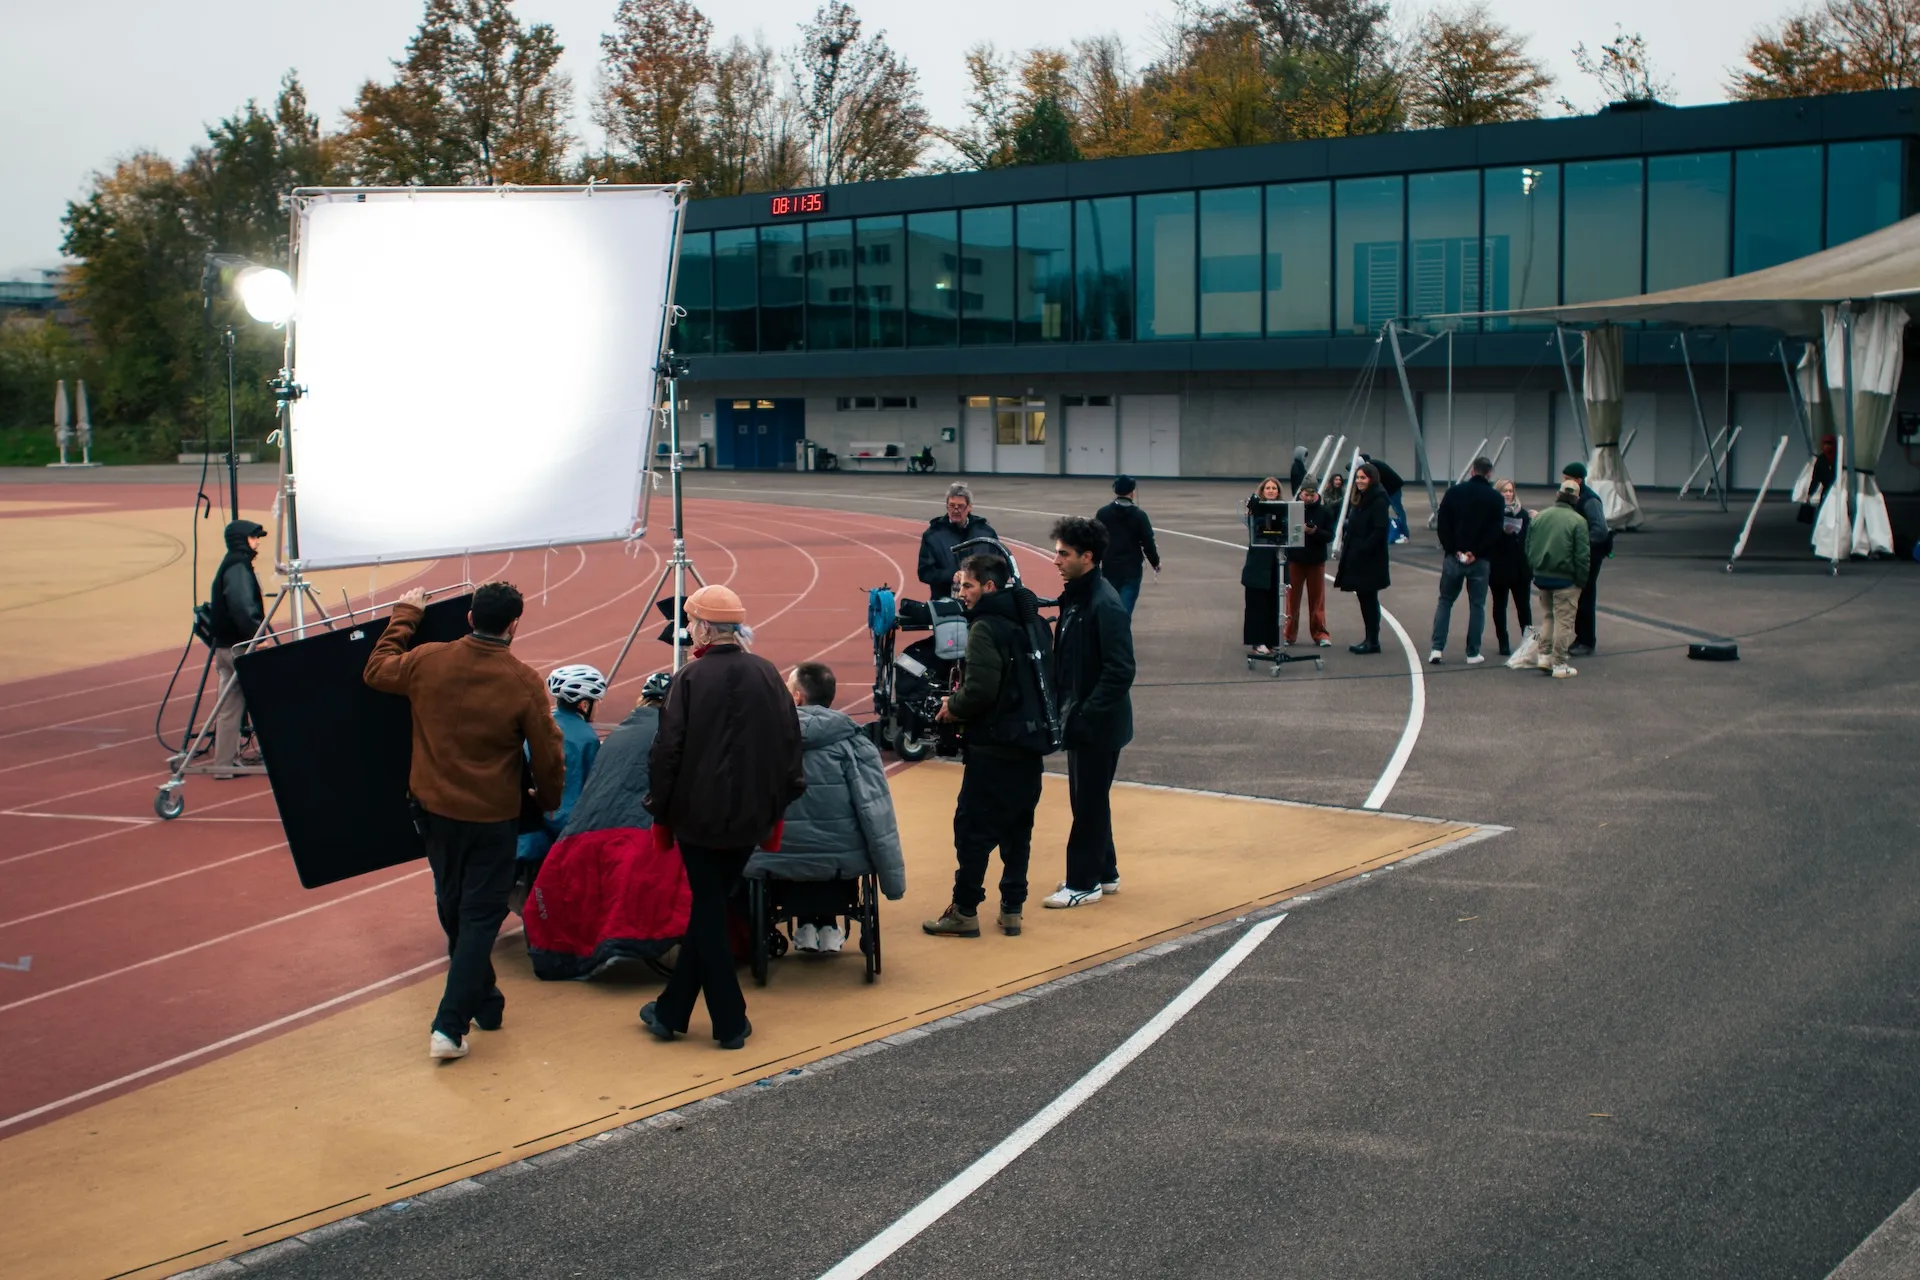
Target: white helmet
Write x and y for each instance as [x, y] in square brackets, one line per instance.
[577, 683]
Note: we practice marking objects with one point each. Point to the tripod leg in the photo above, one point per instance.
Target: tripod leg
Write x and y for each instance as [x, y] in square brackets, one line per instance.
[640, 622]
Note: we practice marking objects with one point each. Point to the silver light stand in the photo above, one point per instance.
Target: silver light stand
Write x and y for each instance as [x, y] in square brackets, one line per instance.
[678, 566]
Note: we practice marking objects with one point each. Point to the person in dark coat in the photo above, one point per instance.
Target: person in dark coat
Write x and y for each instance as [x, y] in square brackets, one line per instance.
[1511, 575]
[1297, 475]
[943, 534]
[1469, 526]
[1364, 564]
[1130, 543]
[1307, 570]
[238, 611]
[1600, 546]
[1093, 672]
[1260, 580]
[725, 765]
[1391, 484]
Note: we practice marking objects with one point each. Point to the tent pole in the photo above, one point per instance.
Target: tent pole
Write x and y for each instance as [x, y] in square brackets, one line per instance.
[1700, 417]
[1413, 417]
[1628, 442]
[1695, 473]
[1575, 403]
[1319, 456]
[1758, 498]
[1483, 444]
[1850, 463]
[1801, 414]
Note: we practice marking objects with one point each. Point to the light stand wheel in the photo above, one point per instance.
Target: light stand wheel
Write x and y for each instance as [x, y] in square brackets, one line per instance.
[911, 747]
[169, 803]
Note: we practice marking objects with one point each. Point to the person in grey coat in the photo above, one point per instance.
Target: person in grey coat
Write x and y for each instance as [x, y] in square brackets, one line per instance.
[843, 825]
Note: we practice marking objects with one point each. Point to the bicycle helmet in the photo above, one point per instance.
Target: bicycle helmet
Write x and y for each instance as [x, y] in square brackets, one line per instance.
[655, 689]
[577, 683]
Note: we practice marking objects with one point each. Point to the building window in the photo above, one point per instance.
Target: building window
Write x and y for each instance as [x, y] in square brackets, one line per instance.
[1103, 269]
[1367, 215]
[1016, 420]
[1443, 245]
[932, 309]
[830, 285]
[1163, 257]
[782, 288]
[1299, 273]
[735, 290]
[1230, 263]
[1520, 257]
[1863, 189]
[693, 293]
[1602, 230]
[854, 404]
[1043, 289]
[1776, 206]
[986, 263]
[882, 283]
[1687, 219]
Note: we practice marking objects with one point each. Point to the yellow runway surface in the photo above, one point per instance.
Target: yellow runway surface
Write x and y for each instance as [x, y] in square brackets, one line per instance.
[346, 1112]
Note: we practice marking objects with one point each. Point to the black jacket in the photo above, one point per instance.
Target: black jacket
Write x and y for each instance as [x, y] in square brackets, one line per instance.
[1510, 567]
[725, 763]
[235, 597]
[1298, 473]
[1129, 541]
[989, 694]
[1093, 666]
[1469, 518]
[1320, 522]
[937, 561]
[1599, 536]
[1363, 550]
[1389, 478]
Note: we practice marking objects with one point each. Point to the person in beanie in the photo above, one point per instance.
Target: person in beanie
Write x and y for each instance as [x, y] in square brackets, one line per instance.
[943, 534]
[724, 766]
[1307, 569]
[1129, 542]
[1600, 539]
[479, 717]
[1297, 474]
[238, 611]
[1365, 567]
[1558, 549]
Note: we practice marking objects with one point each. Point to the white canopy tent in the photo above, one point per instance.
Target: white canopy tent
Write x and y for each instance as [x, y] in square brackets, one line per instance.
[1605, 387]
[1866, 356]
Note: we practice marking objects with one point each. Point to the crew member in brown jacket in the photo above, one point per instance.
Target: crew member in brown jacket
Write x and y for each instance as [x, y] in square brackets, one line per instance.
[479, 714]
[724, 767]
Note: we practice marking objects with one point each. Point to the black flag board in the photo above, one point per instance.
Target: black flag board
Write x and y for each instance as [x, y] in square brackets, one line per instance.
[666, 632]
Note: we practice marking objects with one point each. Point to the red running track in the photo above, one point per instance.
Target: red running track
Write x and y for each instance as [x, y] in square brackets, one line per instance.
[157, 946]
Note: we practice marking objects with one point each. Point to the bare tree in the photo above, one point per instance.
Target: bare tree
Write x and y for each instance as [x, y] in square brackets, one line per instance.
[1103, 96]
[1469, 69]
[1623, 69]
[861, 100]
[655, 69]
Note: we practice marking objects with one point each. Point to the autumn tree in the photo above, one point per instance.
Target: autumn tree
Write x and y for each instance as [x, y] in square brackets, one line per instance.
[1623, 70]
[1843, 46]
[656, 67]
[1017, 113]
[1103, 97]
[478, 100]
[1213, 86]
[1468, 69]
[860, 99]
[1338, 65]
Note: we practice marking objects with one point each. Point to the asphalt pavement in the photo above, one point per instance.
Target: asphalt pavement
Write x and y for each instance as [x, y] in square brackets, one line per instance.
[1665, 1026]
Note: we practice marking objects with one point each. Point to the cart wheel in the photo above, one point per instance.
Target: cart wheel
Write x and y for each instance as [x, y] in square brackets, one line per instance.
[757, 923]
[1249, 662]
[169, 803]
[870, 930]
[911, 747]
[1319, 664]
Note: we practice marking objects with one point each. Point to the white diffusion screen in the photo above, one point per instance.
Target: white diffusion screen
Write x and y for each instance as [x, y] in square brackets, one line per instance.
[478, 368]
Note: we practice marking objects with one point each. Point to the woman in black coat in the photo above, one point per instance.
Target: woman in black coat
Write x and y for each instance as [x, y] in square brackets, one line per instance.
[1260, 578]
[1509, 574]
[1363, 553]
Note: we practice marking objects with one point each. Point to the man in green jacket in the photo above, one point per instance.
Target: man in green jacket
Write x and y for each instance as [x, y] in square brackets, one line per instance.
[1560, 551]
[1000, 785]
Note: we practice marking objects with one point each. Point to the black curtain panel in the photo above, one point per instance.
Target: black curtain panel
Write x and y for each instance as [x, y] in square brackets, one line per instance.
[337, 753]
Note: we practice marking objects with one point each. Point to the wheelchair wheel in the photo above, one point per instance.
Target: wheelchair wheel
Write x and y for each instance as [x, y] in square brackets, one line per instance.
[758, 927]
[870, 924]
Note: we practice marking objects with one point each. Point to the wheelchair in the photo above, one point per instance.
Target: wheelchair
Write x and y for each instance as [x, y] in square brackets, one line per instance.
[773, 905]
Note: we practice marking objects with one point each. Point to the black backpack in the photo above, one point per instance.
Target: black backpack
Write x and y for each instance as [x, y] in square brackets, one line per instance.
[1027, 714]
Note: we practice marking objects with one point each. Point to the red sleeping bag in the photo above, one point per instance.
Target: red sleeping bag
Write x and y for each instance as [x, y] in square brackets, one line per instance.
[606, 896]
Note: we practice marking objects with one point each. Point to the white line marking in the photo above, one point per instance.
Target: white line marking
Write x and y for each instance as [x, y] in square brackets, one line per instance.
[1416, 716]
[135, 888]
[976, 1175]
[201, 946]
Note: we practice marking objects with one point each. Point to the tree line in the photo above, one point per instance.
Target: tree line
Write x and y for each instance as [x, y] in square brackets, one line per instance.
[478, 97]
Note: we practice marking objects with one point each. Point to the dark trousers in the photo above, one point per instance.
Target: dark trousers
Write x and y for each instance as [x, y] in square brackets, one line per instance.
[1522, 609]
[1090, 857]
[706, 964]
[1453, 576]
[1129, 589]
[998, 794]
[1369, 614]
[472, 874]
[1589, 599]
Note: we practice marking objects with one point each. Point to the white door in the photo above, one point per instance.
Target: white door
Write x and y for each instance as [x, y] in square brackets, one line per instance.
[978, 453]
[1092, 440]
[1150, 435]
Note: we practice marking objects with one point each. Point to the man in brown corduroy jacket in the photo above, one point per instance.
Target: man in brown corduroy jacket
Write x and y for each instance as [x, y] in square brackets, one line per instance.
[479, 714]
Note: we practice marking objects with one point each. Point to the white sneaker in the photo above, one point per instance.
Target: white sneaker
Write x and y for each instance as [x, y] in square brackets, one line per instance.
[1065, 897]
[445, 1048]
[1109, 887]
[1563, 671]
[1474, 660]
[1433, 658]
[831, 939]
[806, 938]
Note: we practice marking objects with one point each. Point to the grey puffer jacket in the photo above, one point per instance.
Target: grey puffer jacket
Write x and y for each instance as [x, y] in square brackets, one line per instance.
[619, 779]
[843, 825]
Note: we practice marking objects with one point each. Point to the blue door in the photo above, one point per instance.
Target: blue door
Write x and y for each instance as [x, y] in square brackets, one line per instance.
[759, 434]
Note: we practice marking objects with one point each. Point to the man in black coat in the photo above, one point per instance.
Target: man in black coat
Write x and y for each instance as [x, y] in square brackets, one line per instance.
[1469, 524]
[238, 610]
[1092, 674]
[1391, 484]
[943, 533]
[1130, 543]
[1600, 541]
[724, 766]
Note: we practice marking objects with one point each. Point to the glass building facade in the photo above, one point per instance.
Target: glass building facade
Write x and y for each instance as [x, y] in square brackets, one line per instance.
[1311, 259]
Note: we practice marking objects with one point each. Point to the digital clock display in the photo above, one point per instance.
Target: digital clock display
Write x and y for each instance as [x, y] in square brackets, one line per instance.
[806, 202]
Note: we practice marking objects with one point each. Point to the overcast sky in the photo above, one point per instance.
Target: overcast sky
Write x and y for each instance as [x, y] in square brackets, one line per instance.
[85, 81]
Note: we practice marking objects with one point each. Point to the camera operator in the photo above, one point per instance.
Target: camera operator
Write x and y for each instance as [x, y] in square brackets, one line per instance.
[1000, 785]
